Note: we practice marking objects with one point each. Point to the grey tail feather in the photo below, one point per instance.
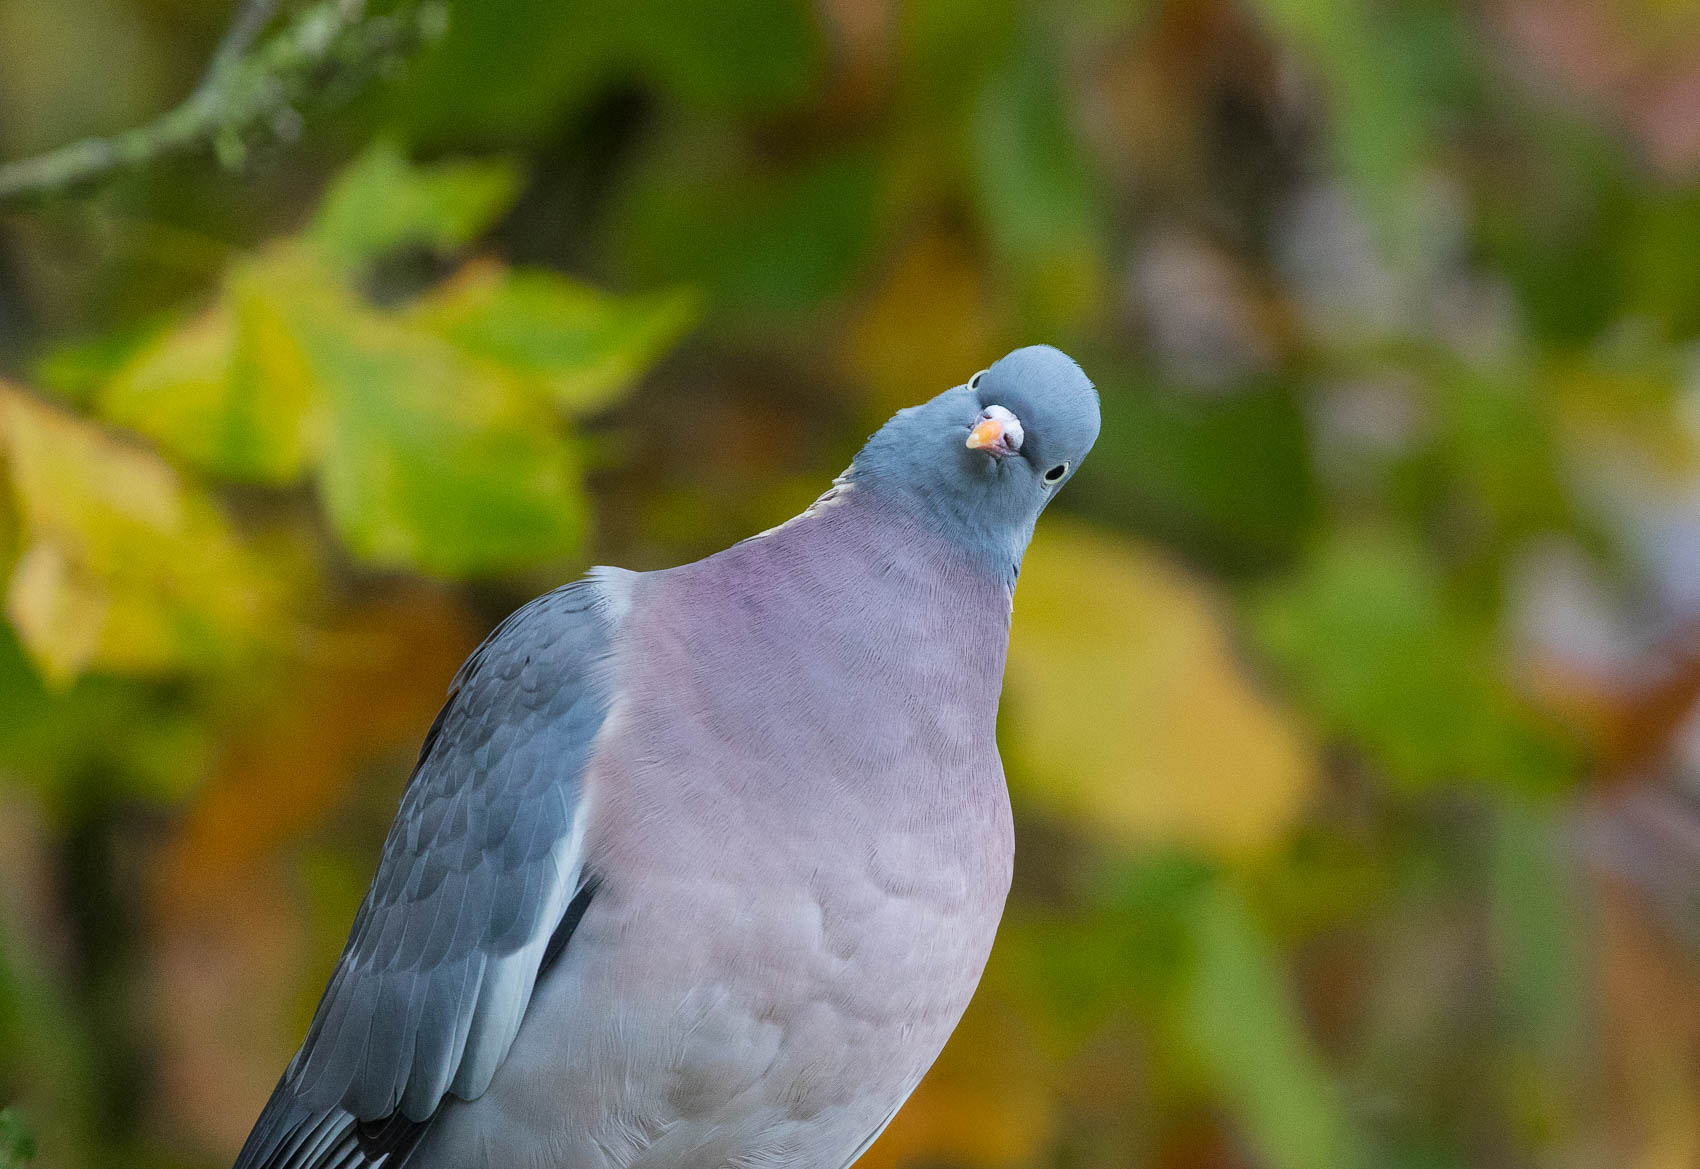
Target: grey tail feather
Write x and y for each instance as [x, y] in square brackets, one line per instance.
[284, 1132]
[289, 1135]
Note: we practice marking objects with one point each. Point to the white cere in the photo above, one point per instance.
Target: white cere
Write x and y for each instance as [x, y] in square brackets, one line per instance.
[1012, 432]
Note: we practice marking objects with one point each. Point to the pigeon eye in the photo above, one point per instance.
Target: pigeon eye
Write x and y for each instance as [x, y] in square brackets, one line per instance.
[974, 382]
[1056, 472]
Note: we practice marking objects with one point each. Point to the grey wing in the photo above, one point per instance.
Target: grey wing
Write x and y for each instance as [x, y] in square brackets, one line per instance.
[481, 868]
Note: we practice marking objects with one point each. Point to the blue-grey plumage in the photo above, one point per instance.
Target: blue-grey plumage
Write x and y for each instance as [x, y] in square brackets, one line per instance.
[700, 867]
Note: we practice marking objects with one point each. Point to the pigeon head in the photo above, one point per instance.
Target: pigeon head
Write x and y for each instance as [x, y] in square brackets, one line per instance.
[980, 461]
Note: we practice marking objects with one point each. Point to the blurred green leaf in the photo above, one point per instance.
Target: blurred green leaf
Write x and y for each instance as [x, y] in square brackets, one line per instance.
[1660, 254]
[428, 427]
[1389, 76]
[1370, 637]
[564, 55]
[1501, 445]
[432, 458]
[1037, 199]
[1566, 254]
[772, 55]
[948, 50]
[1247, 1030]
[1229, 478]
[17, 1146]
[1539, 933]
[77, 370]
[381, 202]
[586, 346]
[48, 1046]
[1129, 947]
[768, 245]
[56, 736]
[769, 56]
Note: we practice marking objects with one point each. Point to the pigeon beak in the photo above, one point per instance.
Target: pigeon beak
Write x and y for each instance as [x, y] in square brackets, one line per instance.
[987, 433]
[997, 432]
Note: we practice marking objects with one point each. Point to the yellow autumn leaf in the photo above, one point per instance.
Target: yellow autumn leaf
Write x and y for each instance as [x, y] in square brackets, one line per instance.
[122, 565]
[228, 390]
[1127, 710]
[59, 613]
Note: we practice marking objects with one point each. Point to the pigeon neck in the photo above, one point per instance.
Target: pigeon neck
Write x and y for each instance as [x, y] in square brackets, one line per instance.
[878, 580]
[956, 526]
[853, 609]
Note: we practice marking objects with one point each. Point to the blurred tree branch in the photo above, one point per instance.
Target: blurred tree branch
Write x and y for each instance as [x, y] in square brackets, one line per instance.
[251, 89]
[250, 20]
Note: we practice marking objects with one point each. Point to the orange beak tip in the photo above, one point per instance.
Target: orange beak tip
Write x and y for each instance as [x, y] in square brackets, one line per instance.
[987, 432]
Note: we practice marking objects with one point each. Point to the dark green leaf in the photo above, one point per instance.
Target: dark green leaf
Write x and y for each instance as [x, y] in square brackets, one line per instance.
[17, 1146]
[769, 245]
[1228, 478]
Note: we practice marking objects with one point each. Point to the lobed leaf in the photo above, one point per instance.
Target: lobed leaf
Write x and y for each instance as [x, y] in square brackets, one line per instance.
[585, 346]
[431, 458]
[227, 390]
[123, 565]
[381, 202]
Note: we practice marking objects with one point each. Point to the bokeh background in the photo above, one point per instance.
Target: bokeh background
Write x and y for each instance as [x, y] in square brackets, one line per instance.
[1351, 711]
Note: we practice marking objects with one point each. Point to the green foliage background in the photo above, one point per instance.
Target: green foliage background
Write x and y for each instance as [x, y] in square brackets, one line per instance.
[1349, 719]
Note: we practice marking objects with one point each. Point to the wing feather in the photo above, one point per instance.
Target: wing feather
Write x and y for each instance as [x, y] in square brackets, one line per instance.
[478, 873]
